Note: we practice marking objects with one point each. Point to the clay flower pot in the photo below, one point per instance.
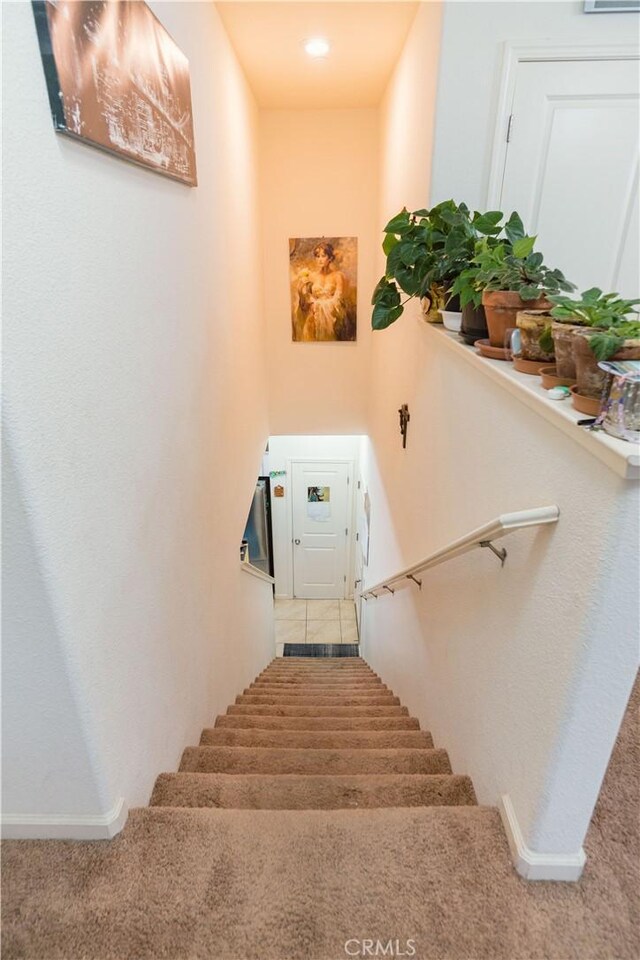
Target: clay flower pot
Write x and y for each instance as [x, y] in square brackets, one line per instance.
[589, 377]
[562, 334]
[501, 308]
[532, 324]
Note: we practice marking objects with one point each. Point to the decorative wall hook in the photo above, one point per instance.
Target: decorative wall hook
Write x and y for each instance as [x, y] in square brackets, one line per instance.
[405, 416]
[388, 588]
[410, 576]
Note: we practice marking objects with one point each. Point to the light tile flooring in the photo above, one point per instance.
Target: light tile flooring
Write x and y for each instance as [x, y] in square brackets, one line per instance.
[314, 621]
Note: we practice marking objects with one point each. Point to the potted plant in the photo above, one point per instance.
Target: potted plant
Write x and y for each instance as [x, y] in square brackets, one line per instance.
[426, 250]
[513, 278]
[536, 339]
[599, 326]
[466, 286]
[593, 309]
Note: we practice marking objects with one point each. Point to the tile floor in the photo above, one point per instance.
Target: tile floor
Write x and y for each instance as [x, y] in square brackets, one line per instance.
[314, 621]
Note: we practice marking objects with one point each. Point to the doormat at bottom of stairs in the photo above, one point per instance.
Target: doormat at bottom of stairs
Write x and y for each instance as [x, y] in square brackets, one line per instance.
[321, 650]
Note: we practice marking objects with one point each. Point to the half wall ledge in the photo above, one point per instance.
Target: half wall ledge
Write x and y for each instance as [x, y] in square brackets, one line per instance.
[620, 456]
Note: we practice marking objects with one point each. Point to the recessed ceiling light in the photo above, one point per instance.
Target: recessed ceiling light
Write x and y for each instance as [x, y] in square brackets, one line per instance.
[317, 47]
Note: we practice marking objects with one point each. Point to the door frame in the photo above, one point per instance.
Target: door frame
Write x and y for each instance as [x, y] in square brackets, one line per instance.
[516, 52]
[348, 557]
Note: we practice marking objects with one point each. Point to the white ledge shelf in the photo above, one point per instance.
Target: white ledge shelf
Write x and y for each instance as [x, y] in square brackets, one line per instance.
[621, 457]
[255, 572]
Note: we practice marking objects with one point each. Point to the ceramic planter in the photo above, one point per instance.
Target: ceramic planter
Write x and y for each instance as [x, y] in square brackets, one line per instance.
[430, 307]
[590, 378]
[451, 320]
[501, 308]
[562, 334]
[474, 324]
[532, 324]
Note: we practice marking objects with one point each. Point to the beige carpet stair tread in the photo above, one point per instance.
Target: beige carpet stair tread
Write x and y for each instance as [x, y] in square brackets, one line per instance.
[291, 699]
[322, 674]
[316, 710]
[318, 684]
[293, 792]
[335, 693]
[328, 673]
[283, 760]
[318, 740]
[259, 721]
[194, 883]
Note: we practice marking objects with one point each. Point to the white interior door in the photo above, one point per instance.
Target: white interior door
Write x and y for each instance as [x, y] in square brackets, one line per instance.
[571, 168]
[320, 528]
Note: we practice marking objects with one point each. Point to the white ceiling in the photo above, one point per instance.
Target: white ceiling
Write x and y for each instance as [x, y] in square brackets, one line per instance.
[366, 40]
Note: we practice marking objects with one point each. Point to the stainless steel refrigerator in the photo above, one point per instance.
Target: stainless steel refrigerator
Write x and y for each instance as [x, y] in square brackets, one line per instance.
[258, 530]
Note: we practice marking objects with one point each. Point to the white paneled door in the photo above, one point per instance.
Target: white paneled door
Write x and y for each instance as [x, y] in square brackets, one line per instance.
[571, 167]
[320, 526]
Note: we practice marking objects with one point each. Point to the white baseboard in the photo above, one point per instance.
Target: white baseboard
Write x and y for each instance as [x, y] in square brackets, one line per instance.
[35, 826]
[533, 865]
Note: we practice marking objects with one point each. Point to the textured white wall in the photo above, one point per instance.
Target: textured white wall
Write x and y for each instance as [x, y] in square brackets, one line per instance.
[522, 673]
[135, 423]
[318, 178]
[473, 35]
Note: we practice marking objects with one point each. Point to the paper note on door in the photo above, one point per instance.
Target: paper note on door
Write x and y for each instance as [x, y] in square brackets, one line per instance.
[319, 503]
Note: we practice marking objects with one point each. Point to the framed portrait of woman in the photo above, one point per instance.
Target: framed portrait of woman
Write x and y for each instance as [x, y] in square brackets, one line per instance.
[323, 273]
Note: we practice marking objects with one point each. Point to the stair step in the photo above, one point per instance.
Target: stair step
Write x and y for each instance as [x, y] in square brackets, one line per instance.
[318, 682]
[285, 710]
[320, 671]
[331, 676]
[319, 792]
[318, 740]
[316, 690]
[374, 700]
[239, 722]
[281, 760]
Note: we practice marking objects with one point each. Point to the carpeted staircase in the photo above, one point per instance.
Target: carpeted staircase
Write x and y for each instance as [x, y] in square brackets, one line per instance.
[314, 734]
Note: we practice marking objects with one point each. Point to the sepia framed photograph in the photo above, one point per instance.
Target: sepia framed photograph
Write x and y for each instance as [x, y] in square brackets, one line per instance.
[118, 81]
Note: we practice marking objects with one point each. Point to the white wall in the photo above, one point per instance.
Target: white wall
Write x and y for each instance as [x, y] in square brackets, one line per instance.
[281, 451]
[135, 423]
[522, 673]
[473, 36]
[318, 178]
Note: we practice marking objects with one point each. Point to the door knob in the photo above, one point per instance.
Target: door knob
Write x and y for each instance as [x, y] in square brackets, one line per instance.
[296, 541]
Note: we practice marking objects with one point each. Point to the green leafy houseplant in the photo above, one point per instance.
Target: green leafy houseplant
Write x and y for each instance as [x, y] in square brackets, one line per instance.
[426, 250]
[512, 265]
[608, 312]
[611, 328]
[512, 277]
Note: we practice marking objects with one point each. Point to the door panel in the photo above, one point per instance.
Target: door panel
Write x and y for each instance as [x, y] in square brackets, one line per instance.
[320, 510]
[572, 168]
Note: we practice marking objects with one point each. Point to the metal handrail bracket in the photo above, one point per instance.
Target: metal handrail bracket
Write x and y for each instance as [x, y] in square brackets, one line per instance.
[482, 537]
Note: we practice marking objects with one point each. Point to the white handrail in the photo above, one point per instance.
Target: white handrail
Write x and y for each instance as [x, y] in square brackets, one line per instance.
[482, 537]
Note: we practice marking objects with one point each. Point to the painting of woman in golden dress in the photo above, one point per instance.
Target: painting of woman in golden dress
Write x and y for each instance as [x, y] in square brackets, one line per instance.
[323, 288]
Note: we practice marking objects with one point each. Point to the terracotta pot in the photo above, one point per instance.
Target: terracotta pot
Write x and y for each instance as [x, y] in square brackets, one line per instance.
[550, 379]
[590, 378]
[588, 405]
[562, 334]
[474, 324]
[501, 308]
[532, 324]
